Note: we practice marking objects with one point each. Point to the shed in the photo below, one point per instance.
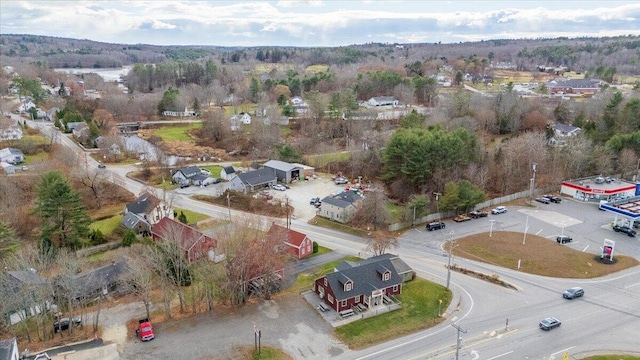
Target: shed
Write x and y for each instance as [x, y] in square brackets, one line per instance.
[227, 172]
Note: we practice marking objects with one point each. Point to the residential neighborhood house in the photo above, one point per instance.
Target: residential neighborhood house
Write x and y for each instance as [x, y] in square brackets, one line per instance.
[227, 173]
[9, 349]
[97, 282]
[11, 133]
[340, 207]
[298, 244]
[383, 101]
[11, 156]
[21, 291]
[253, 180]
[185, 175]
[194, 244]
[146, 211]
[367, 283]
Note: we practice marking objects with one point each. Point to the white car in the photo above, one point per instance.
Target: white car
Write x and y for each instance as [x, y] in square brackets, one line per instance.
[205, 172]
[279, 187]
[499, 210]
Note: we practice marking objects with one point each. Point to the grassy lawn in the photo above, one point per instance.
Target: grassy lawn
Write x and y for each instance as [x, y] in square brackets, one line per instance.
[420, 302]
[192, 216]
[215, 170]
[108, 225]
[396, 211]
[180, 133]
[321, 160]
[538, 256]
[326, 223]
[37, 158]
[612, 357]
[305, 280]
[317, 68]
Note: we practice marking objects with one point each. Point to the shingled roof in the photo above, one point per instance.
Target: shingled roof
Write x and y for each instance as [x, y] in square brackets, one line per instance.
[366, 278]
[144, 204]
[258, 177]
[343, 199]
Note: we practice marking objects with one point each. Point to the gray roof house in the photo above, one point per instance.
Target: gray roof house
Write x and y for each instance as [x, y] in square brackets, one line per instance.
[368, 284]
[97, 282]
[144, 212]
[70, 126]
[383, 101]
[405, 271]
[23, 283]
[227, 173]
[252, 180]
[340, 207]
[11, 155]
[9, 349]
[285, 172]
[185, 174]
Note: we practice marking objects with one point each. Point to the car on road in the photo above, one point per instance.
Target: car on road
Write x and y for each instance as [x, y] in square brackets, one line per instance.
[101, 166]
[543, 200]
[478, 214]
[341, 180]
[499, 210]
[279, 187]
[624, 229]
[573, 293]
[462, 218]
[437, 225]
[553, 198]
[63, 324]
[561, 239]
[549, 323]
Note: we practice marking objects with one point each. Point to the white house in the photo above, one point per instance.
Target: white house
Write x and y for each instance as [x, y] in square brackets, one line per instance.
[9, 349]
[227, 173]
[11, 155]
[243, 118]
[11, 133]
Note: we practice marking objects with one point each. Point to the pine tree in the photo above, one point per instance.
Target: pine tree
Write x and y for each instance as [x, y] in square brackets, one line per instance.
[63, 219]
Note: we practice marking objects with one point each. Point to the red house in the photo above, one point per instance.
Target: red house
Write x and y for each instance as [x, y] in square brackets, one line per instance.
[298, 244]
[366, 283]
[192, 242]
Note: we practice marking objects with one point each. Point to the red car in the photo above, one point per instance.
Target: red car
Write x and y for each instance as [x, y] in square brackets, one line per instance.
[145, 330]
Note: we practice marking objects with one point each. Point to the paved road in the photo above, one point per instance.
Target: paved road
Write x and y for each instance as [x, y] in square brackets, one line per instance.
[606, 317]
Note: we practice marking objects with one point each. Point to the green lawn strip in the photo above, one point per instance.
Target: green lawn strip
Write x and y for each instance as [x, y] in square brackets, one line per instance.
[396, 211]
[612, 357]
[326, 223]
[108, 225]
[268, 353]
[192, 216]
[305, 280]
[215, 170]
[420, 300]
[180, 133]
[321, 160]
[36, 158]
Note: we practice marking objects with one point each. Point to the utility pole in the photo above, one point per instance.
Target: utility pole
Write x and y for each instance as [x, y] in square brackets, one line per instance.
[449, 260]
[229, 205]
[458, 338]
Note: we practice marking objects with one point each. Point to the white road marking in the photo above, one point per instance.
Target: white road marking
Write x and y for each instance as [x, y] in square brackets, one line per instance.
[585, 249]
[632, 285]
[539, 231]
[561, 351]
[501, 355]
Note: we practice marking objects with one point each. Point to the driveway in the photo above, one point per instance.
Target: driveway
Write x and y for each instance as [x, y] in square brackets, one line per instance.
[286, 321]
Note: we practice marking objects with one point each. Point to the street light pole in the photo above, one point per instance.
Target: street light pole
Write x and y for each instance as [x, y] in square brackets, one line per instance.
[449, 260]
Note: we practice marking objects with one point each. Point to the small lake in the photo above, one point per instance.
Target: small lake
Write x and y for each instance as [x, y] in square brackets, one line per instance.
[107, 75]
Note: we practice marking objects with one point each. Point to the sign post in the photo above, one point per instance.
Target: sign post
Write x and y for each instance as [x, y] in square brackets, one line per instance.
[607, 249]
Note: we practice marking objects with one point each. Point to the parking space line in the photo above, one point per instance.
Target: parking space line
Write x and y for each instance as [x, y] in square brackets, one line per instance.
[501, 355]
[585, 249]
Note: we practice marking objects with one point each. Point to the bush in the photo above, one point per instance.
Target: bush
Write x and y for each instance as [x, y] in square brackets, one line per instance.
[315, 247]
[96, 237]
[129, 238]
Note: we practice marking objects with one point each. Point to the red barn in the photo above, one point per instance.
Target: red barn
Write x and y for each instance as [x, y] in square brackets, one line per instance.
[298, 244]
[192, 242]
[366, 283]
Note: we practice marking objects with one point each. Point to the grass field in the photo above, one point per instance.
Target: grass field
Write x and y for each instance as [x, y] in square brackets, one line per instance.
[192, 216]
[321, 160]
[108, 225]
[538, 255]
[326, 223]
[305, 280]
[215, 170]
[420, 306]
[179, 133]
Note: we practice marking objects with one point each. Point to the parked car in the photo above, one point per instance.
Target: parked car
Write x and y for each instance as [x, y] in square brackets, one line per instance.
[101, 166]
[341, 180]
[543, 200]
[478, 214]
[462, 218]
[205, 172]
[314, 200]
[499, 210]
[435, 226]
[561, 239]
[553, 198]
[549, 323]
[184, 185]
[279, 187]
[145, 330]
[624, 229]
[63, 324]
[573, 293]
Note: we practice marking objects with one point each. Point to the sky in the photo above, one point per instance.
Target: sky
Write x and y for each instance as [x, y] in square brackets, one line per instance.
[314, 23]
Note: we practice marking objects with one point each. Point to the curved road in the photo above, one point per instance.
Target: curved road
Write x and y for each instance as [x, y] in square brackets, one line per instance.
[606, 318]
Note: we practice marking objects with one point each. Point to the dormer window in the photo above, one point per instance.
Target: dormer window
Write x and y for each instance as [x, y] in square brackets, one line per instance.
[348, 286]
[386, 276]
